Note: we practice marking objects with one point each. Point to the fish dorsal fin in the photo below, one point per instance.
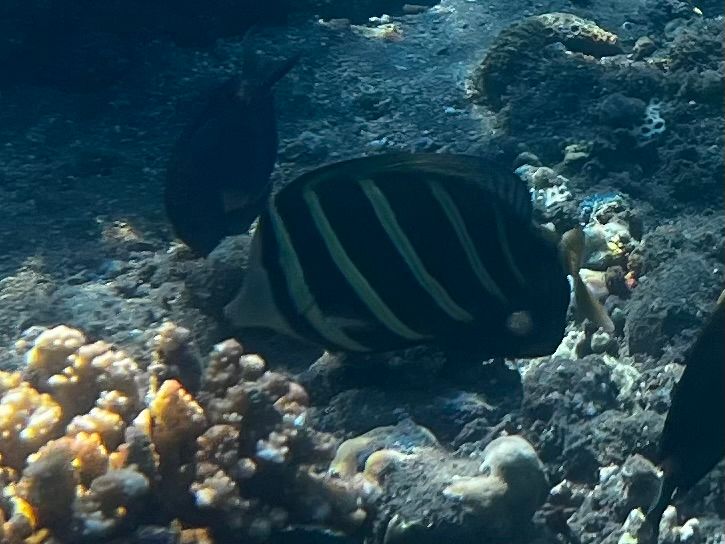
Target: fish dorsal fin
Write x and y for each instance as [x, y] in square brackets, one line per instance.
[279, 72]
[250, 61]
[571, 248]
[503, 186]
[252, 70]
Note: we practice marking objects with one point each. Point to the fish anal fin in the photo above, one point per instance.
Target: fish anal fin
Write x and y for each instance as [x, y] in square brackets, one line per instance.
[571, 248]
[589, 307]
[254, 305]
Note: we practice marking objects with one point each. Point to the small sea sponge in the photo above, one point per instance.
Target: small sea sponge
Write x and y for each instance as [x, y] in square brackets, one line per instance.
[251, 366]
[652, 125]
[514, 460]
[579, 34]
[486, 493]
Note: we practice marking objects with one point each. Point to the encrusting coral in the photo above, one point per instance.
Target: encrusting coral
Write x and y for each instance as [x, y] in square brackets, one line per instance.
[96, 446]
[518, 46]
[414, 490]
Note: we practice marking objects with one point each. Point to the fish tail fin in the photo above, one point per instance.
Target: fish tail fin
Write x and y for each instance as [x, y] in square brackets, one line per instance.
[572, 250]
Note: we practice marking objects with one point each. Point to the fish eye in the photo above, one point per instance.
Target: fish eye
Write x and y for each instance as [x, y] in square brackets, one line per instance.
[519, 323]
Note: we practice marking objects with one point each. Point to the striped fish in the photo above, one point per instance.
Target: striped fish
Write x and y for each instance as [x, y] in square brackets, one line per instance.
[391, 251]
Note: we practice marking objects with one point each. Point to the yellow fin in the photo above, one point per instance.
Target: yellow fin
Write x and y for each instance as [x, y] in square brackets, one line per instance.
[571, 248]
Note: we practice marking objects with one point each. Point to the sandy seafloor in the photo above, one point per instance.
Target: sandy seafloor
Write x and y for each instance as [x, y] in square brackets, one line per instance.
[85, 241]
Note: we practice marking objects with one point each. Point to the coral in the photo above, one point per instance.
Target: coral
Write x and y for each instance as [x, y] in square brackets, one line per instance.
[51, 349]
[28, 419]
[176, 419]
[93, 445]
[109, 501]
[77, 375]
[387, 31]
[175, 357]
[415, 491]
[612, 231]
[48, 485]
[653, 124]
[519, 44]
[607, 245]
[511, 488]
[548, 189]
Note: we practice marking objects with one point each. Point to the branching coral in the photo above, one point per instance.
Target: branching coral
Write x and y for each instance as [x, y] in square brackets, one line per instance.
[94, 445]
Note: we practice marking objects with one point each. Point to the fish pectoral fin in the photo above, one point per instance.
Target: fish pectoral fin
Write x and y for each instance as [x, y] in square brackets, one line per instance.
[589, 307]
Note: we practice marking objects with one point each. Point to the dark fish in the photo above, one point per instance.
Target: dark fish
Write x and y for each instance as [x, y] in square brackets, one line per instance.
[693, 437]
[387, 252]
[218, 177]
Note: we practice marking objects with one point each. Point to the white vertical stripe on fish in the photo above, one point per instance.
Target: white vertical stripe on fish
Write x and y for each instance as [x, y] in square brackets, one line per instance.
[505, 247]
[303, 300]
[459, 226]
[388, 221]
[354, 277]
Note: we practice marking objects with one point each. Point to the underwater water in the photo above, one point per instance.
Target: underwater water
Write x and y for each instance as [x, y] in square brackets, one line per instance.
[327, 271]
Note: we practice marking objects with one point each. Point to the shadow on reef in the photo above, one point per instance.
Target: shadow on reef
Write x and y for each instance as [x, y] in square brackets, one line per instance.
[86, 45]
